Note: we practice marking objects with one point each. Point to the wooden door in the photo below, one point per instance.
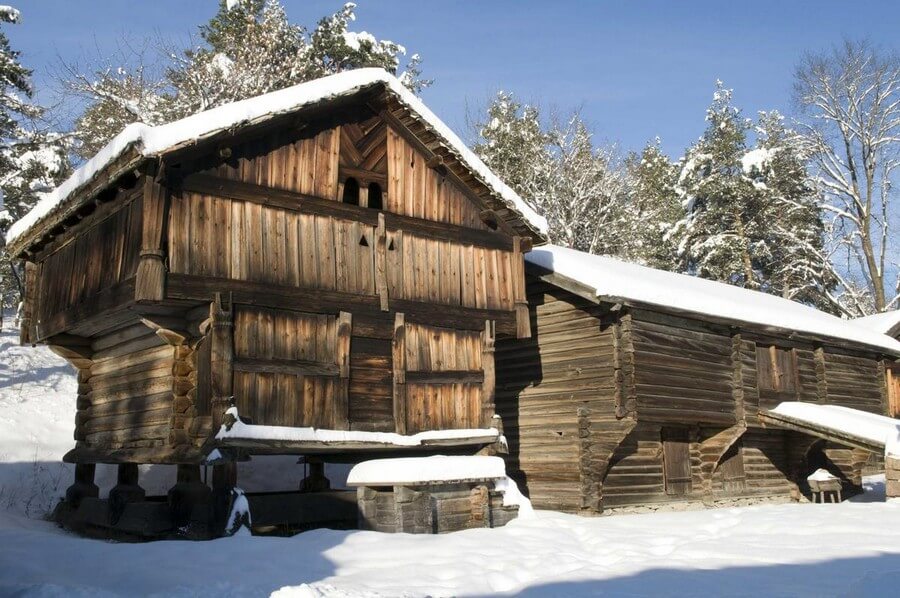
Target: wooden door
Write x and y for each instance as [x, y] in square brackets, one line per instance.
[291, 368]
[677, 461]
[732, 469]
[893, 384]
[438, 378]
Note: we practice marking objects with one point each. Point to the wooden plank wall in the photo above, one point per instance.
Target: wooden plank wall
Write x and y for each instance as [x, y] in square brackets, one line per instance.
[222, 238]
[416, 190]
[98, 258]
[683, 372]
[371, 374]
[855, 382]
[542, 382]
[443, 402]
[130, 391]
[285, 367]
[308, 165]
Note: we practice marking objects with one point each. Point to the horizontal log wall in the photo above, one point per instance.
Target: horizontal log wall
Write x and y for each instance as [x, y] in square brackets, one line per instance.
[97, 259]
[542, 382]
[855, 382]
[126, 398]
[683, 372]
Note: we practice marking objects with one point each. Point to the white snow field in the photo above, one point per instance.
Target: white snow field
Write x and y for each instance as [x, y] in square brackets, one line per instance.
[851, 548]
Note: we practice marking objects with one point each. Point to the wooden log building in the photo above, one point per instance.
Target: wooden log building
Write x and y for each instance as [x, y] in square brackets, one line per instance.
[327, 271]
[640, 387]
[327, 257]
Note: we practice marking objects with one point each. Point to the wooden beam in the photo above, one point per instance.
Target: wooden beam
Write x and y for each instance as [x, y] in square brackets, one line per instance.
[342, 361]
[293, 367]
[150, 280]
[221, 358]
[381, 285]
[446, 377]
[398, 349]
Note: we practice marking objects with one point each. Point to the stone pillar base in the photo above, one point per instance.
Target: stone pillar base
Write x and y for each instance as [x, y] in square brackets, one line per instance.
[892, 477]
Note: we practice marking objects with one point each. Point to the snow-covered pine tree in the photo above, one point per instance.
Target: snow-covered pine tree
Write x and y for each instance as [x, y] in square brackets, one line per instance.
[652, 177]
[798, 267]
[721, 235]
[249, 47]
[752, 219]
[579, 188]
[32, 158]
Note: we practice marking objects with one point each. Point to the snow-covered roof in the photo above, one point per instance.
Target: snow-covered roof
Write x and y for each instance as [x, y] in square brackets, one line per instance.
[877, 429]
[616, 280]
[887, 322]
[421, 470]
[155, 141]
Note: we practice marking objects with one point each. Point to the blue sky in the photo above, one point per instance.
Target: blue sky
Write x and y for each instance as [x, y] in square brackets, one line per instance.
[635, 69]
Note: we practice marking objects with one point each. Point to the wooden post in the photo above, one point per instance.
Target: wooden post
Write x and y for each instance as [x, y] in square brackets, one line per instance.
[523, 317]
[221, 359]
[84, 486]
[315, 481]
[188, 492]
[398, 347]
[224, 481]
[737, 381]
[342, 358]
[381, 262]
[29, 305]
[150, 280]
[126, 489]
[488, 384]
[821, 384]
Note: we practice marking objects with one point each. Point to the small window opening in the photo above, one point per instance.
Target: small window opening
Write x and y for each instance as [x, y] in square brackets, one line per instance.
[391, 245]
[363, 242]
[351, 192]
[375, 200]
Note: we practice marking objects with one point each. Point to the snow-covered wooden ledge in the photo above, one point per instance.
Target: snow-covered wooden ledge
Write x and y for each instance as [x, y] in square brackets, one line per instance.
[237, 434]
[852, 427]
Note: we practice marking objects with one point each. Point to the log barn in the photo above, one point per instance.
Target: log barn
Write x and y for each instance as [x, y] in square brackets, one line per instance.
[639, 387]
[328, 264]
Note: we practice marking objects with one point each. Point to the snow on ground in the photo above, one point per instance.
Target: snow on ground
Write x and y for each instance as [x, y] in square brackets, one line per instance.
[774, 550]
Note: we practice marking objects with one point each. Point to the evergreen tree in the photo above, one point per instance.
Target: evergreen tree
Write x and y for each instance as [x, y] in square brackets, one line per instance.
[719, 238]
[248, 48]
[579, 188]
[652, 178]
[751, 217]
[32, 158]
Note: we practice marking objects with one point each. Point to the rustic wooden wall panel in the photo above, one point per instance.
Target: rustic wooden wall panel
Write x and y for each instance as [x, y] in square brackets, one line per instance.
[101, 256]
[542, 382]
[286, 367]
[371, 374]
[443, 373]
[682, 373]
[854, 382]
[127, 401]
[422, 192]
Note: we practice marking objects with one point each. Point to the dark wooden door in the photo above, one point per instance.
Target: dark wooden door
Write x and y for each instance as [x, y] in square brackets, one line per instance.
[677, 461]
[732, 468]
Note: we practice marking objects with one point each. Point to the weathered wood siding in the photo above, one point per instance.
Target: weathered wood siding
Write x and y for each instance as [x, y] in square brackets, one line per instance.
[443, 375]
[98, 258]
[855, 382]
[683, 370]
[422, 192]
[126, 393]
[371, 374]
[542, 382]
[286, 367]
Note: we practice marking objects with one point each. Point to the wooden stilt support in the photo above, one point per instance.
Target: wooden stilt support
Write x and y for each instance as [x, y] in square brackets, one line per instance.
[315, 480]
[84, 486]
[125, 491]
[188, 493]
[224, 481]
